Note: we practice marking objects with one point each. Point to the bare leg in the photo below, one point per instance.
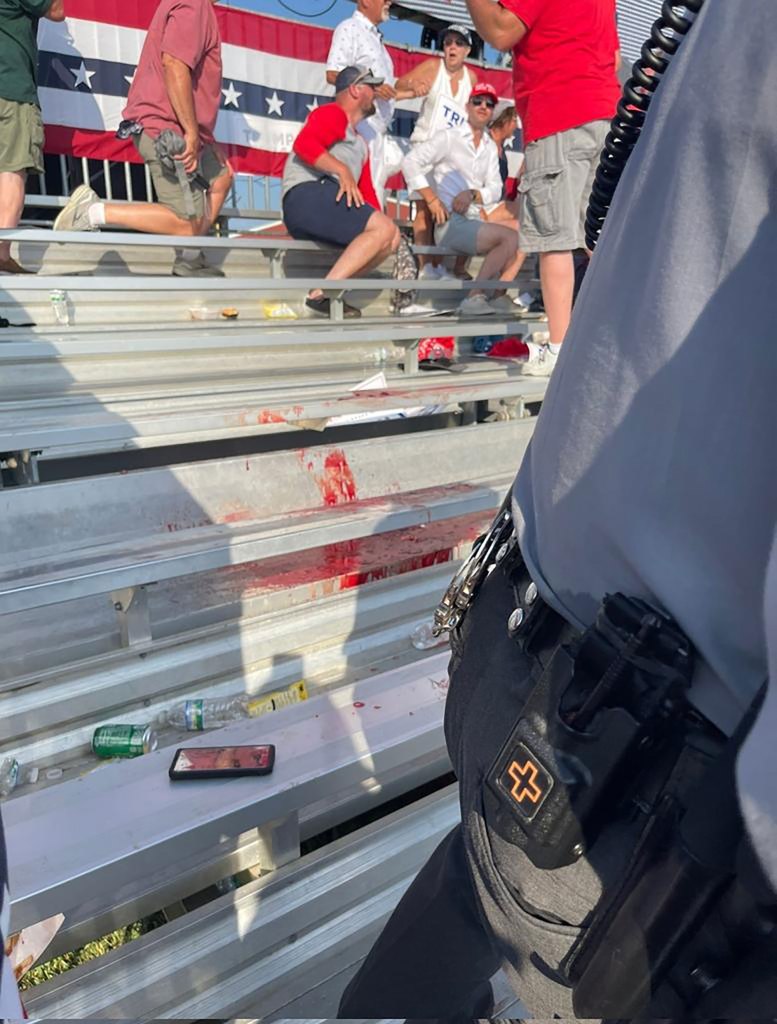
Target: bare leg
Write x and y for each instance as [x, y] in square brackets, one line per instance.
[557, 276]
[152, 218]
[219, 190]
[499, 245]
[11, 204]
[379, 238]
[422, 232]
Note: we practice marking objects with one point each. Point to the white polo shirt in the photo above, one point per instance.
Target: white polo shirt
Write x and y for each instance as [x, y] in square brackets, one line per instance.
[450, 162]
[357, 41]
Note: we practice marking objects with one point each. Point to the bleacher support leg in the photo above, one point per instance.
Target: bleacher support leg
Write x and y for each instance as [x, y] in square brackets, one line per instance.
[411, 358]
[131, 606]
[279, 842]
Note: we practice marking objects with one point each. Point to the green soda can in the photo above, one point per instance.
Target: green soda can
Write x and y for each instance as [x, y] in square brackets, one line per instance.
[123, 740]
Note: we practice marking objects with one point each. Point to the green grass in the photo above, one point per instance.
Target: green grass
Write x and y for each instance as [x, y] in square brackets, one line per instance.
[99, 947]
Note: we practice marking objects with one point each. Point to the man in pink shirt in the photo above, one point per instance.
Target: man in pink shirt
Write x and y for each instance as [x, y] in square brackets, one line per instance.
[176, 89]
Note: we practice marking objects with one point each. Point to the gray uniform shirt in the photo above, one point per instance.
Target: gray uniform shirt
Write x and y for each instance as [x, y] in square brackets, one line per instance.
[653, 468]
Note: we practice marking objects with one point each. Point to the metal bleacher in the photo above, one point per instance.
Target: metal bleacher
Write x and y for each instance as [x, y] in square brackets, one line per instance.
[205, 572]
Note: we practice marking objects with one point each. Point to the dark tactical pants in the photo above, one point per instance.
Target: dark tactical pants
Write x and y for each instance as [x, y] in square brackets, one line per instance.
[479, 904]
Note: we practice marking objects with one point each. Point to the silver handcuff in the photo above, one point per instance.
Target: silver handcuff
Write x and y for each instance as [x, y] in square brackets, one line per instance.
[487, 552]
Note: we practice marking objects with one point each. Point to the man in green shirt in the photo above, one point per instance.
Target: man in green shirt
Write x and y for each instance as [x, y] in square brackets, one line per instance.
[21, 125]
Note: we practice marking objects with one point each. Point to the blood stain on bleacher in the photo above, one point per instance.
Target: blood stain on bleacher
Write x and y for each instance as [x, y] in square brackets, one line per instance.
[268, 416]
[334, 478]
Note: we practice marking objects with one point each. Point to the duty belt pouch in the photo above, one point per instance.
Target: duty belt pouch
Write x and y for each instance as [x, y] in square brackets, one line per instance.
[593, 723]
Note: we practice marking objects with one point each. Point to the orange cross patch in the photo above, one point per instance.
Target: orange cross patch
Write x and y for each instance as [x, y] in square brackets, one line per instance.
[525, 778]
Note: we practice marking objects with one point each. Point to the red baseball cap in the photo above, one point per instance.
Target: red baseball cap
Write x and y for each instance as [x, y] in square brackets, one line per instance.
[484, 89]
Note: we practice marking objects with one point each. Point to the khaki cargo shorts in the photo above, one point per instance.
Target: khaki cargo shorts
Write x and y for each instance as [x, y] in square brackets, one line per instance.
[21, 137]
[555, 187]
[166, 184]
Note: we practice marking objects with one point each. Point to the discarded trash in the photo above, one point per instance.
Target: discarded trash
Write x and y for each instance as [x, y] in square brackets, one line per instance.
[24, 948]
[279, 699]
[423, 639]
[204, 313]
[32, 778]
[9, 775]
[59, 306]
[54, 773]
[278, 311]
[123, 740]
[199, 714]
[436, 348]
[230, 313]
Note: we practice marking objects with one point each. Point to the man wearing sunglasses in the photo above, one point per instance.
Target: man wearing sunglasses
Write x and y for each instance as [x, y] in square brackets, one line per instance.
[456, 172]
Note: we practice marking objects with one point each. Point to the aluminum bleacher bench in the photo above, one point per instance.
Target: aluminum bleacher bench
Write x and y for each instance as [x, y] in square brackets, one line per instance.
[128, 839]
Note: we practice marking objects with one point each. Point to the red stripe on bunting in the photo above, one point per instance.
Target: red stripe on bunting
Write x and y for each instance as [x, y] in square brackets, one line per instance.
[105, 146]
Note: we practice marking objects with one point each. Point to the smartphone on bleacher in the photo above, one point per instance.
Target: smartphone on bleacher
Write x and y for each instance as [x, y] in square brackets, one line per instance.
[222, 762]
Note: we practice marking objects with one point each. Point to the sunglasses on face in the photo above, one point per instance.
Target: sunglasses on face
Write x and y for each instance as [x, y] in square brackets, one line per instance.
[482, 101]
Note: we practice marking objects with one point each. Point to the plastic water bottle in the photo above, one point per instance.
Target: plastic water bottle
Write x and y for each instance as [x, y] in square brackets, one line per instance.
[196, 715]
[59, 305]
[423, 639]
[9, 775]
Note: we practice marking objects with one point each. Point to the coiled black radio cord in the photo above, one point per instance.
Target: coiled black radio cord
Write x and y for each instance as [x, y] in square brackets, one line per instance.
[665, 37]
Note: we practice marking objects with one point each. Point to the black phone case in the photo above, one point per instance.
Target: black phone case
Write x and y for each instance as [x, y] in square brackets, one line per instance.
[222, 773]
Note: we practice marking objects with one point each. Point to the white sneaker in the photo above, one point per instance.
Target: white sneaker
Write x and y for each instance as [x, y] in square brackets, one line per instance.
[428, 272]
[503, 304]
[475, 305]
[444, 274]
[541, 361]
[74, 215]
[416, 309]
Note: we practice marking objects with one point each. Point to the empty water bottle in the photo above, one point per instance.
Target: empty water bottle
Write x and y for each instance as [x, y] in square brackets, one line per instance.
[423, 639]
[196, 715]
[9, 775]
[59, 305]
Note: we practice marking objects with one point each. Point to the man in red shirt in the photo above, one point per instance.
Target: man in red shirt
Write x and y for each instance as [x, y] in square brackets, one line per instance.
[565, 57]
[328, 194]
[176, 88]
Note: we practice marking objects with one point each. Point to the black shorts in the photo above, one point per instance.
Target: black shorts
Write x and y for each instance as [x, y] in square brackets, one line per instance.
[310, 212]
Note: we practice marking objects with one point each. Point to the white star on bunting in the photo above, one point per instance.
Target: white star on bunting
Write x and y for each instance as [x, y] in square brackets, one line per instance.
[314, 105]
[83, 77]
[274, 104]
[231, 96]
[129, 79]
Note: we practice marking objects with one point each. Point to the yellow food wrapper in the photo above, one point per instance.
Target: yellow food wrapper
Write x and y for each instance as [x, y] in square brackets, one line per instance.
[278, 699]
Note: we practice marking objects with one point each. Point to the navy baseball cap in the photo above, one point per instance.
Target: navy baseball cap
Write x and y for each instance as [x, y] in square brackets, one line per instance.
[459, 30]
[355, 74]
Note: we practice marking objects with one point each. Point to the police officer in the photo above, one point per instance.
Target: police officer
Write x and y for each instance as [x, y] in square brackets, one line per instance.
[602, 859]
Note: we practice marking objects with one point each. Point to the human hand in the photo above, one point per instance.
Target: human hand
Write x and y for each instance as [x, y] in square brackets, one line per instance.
[463, 201]
[190, 157]
[386, 92]
[437, 210]
[421, 88]
[348, 188]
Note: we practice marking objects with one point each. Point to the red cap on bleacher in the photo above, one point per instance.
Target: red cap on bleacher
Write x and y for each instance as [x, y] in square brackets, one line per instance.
[484, 89]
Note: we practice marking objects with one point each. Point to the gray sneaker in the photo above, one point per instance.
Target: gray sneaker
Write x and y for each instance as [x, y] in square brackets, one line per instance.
[196, 267]
[74, 216]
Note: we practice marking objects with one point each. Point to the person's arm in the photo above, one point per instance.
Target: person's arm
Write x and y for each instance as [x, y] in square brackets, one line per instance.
[496, 24]
[56, 11]
[419, 81]
[178, 82]
[416, 167]
[492, 187]
[183, 44]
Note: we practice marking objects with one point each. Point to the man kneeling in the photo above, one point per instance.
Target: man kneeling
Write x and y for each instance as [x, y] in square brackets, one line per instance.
[328, 194]
[463, 166]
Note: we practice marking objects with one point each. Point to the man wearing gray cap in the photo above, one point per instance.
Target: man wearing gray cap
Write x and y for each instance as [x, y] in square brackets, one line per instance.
[328, 195]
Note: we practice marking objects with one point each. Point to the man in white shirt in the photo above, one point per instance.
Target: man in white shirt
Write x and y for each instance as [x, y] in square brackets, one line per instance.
[357, 41]
[457, 174]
